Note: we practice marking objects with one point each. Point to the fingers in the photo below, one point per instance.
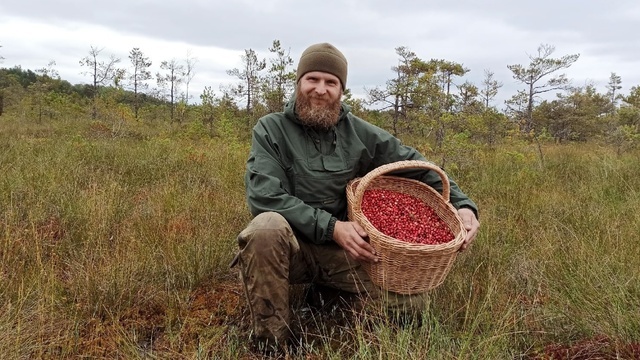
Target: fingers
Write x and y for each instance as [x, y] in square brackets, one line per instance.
[471, 224]
[360, 254]
[370, 254]
[360, 249]
[364, 250]
[350, 236]
[359, 229]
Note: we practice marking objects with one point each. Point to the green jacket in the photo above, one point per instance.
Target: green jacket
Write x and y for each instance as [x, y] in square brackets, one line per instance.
[302, 174]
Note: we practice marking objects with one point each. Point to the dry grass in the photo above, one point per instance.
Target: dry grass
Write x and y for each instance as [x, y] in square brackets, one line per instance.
[117, 247]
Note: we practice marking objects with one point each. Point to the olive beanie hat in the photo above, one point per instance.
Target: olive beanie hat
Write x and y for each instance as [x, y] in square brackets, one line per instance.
[323, 57]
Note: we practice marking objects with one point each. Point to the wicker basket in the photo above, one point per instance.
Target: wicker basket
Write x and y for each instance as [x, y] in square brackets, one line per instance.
[404, 267]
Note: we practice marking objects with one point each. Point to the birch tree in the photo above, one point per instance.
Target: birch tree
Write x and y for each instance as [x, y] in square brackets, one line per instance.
[189, 73]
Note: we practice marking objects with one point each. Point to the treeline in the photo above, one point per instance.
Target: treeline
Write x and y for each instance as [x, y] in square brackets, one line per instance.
[425, 98]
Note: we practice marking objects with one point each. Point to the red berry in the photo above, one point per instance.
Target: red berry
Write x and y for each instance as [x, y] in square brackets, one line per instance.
[404, 217]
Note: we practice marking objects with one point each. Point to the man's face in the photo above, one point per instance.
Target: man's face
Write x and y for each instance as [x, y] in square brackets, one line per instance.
[318, 99]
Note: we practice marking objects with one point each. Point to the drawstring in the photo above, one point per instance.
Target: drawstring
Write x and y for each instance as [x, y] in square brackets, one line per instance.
[317, 140]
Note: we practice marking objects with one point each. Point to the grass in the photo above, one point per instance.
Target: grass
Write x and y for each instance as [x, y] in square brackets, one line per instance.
[118, 247]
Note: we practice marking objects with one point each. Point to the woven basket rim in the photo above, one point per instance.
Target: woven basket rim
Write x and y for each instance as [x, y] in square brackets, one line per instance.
[405, 267]
[453, 244]
[361, 184]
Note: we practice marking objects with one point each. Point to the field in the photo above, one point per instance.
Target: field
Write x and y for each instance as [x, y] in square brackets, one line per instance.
[118, 247]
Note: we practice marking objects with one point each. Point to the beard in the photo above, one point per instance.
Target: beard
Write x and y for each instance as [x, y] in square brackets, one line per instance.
[320, 117]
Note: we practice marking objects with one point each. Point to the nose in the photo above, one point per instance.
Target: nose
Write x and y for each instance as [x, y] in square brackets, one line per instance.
[321, 88]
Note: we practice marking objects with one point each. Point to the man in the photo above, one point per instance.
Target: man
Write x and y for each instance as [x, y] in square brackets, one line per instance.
[299, 165]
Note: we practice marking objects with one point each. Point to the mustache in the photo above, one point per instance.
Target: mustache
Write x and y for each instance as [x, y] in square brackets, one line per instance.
[321, 116]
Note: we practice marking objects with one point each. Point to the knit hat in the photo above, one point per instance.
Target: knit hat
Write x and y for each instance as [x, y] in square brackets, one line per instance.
[326, 58]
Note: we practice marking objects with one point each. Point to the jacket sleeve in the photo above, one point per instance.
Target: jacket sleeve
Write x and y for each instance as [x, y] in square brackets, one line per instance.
[267, 189]
[458, 198]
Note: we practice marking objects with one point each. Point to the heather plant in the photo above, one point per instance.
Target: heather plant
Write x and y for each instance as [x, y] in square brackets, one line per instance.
[117, 245]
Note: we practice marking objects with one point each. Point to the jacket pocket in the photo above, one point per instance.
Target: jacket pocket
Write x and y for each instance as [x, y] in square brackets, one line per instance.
[324, 190]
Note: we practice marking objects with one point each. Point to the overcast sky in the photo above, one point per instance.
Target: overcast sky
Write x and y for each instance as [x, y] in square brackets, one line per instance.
[481, 35]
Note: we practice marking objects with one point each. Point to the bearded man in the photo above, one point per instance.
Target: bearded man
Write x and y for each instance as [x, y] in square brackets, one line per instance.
[300, 162]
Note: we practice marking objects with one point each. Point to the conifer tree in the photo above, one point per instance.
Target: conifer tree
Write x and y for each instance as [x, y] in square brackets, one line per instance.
[138, 76]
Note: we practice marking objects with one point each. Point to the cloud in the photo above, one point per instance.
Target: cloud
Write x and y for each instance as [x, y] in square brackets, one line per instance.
[481, 35]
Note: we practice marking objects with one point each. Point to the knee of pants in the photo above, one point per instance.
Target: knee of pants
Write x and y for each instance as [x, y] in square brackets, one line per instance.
[266, 231]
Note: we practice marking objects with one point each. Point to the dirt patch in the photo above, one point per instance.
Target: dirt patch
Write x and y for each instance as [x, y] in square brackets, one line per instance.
[204, 322]
[596, 348]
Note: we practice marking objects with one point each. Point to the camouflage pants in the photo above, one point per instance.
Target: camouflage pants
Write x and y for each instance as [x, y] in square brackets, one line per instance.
[271, 258]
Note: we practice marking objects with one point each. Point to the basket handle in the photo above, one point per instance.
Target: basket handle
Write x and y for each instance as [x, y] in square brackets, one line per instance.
[399, 165]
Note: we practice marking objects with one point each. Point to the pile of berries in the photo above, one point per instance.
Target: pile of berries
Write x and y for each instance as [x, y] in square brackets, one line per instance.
[404, 217]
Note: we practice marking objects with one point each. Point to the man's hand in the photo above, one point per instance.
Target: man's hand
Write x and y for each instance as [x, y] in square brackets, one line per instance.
[350, 236]
[471, 224]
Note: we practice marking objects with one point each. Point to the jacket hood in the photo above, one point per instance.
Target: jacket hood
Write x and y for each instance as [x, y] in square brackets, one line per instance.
[289, 111]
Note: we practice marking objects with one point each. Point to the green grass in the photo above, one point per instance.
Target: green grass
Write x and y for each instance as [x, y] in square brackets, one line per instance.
[118, 247]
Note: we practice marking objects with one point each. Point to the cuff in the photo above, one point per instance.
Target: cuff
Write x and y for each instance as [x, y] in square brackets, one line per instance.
[328, 236]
